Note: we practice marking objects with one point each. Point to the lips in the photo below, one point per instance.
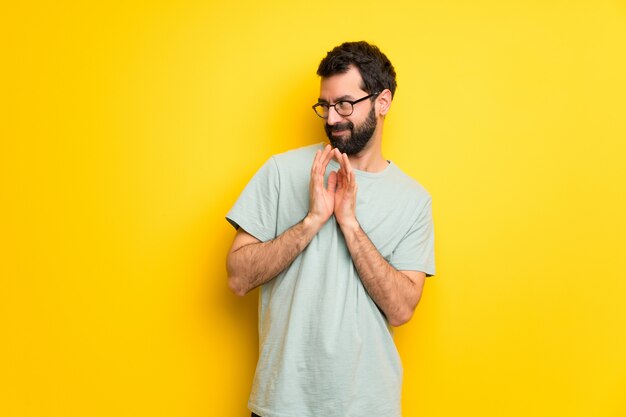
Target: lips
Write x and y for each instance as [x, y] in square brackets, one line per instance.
[340, 128]
[339, 133]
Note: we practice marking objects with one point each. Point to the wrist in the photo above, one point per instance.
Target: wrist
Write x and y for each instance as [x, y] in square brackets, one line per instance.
[312, 223]
[349, 225]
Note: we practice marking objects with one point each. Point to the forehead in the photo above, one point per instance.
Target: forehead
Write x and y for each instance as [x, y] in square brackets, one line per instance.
[343, 85]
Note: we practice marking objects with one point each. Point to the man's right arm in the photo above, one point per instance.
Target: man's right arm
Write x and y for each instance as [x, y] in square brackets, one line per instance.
[251, 263]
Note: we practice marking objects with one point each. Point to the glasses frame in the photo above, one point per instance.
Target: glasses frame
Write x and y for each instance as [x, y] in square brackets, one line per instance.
[352, 103]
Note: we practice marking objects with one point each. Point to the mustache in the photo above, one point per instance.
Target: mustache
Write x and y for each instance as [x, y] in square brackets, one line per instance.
[339, 126]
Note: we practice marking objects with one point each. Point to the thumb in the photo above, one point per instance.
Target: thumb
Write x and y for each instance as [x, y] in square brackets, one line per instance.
[332, 182]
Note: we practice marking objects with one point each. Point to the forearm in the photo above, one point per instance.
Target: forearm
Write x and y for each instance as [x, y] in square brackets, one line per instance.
[392, 291]
[254, 264]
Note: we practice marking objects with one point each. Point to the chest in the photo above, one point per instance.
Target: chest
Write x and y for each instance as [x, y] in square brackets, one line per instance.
[385, 212]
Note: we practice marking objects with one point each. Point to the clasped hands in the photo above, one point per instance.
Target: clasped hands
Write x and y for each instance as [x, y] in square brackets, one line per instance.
[339, 196]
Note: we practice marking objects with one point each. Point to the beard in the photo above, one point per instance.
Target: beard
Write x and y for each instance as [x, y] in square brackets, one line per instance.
[358, 137]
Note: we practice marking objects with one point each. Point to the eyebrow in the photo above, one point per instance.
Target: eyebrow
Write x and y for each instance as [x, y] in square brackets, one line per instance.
[342, 98]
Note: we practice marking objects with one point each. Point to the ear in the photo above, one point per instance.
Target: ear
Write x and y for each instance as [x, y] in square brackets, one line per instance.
[384, 102]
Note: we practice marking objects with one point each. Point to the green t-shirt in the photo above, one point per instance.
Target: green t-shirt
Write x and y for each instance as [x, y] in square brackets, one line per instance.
[325, 349]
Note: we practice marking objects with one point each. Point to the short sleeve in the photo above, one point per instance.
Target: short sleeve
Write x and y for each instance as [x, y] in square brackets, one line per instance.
[416, 250]
[255, 211]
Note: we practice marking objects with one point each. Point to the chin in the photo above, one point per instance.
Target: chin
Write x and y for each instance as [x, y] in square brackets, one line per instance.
[339, 144]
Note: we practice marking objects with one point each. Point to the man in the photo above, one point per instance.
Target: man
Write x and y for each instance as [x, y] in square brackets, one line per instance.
[340, 248]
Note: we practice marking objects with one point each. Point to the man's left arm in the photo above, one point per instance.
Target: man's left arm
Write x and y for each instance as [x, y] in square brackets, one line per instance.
[395, 292]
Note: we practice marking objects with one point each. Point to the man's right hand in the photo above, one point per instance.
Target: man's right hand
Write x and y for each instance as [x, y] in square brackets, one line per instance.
[251, 263]
[321, 199]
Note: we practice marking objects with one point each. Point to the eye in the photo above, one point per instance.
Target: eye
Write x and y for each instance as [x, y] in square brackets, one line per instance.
[344, 106]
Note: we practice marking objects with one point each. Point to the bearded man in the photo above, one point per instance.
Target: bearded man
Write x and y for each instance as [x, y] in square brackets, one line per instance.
[340, 241]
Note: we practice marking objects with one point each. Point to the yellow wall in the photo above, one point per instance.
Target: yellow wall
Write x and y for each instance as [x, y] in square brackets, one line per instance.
[127, 131]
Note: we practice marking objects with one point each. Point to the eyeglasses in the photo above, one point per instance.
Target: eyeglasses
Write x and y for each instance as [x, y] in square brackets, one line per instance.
[343, 107]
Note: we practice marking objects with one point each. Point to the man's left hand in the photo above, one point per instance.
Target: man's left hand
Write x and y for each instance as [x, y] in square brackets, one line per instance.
[345, 193]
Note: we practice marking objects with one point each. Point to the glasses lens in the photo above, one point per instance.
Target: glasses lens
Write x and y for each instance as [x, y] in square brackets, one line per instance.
[344, 108]
[321, 110]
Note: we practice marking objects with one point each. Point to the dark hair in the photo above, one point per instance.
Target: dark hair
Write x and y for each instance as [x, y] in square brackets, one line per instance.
[374, 67]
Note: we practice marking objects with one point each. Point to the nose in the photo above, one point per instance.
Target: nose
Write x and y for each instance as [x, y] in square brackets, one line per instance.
[333, 116]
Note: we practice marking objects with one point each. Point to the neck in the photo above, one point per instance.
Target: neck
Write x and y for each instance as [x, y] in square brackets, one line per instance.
[371, 158]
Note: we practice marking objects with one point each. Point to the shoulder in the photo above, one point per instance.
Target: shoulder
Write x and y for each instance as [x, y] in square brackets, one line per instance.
[407, 184]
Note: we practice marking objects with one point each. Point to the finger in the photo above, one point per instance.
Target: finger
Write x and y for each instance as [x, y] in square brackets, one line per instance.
[326, 157]
[345, 164]
[350, 174]
[340, 179]
[337, 156]
[315, 161]
[320, 168]
[332, 182]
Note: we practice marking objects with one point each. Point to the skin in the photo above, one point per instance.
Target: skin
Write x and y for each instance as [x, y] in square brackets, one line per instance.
[251, 263]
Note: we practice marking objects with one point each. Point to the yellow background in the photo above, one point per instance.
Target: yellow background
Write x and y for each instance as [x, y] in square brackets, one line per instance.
[128, 130]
